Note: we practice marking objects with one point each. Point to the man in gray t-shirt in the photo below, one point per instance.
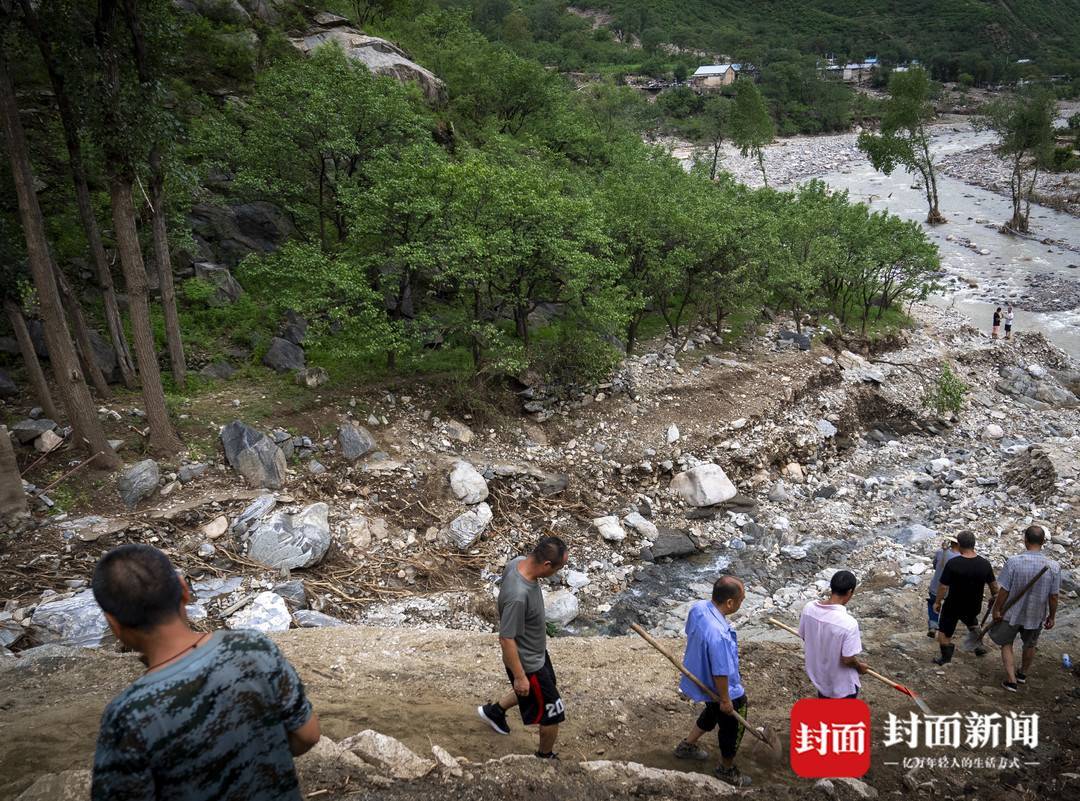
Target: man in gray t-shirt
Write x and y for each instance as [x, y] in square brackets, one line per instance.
[523, 639]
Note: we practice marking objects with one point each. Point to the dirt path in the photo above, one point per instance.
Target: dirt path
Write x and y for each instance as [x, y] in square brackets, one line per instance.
[422, 687]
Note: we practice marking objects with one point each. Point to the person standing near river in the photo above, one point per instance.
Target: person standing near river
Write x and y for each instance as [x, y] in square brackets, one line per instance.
[997, 323]
[712, 654]
[960, 594]
[215, 716]
[1008, 321]
[523, 640]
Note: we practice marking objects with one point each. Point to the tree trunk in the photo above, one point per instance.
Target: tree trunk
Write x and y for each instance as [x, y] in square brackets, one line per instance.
[761, 166]
[631, 336]
[30, 359]
[12, 497]
[82, 198]
[82, 333]
[73, 390]
[715, 160]
[162, 436]
[165, 272]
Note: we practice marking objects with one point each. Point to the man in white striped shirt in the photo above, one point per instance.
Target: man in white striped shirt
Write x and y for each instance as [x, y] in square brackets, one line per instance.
[1032, 613]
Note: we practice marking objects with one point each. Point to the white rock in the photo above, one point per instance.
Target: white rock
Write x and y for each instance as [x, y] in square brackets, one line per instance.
[575, 579]
[642, 525]
[467, 484]
[825, 428]
[388, 754]
[216, 527]
[465, 528]
[704, 485]
[672, 434]
[561, 607]
[940, 465]
[609, 528]
[48, 441]
[737, 424]
[267, 612]
[292, 541]
[993, 431]
[447, 764]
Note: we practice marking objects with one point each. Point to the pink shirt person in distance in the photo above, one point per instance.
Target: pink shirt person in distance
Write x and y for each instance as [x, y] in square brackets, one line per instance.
[831, 641]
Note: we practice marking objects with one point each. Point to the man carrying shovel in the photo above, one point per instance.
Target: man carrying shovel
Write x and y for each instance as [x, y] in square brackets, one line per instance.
[712, 655]
[1030, 613]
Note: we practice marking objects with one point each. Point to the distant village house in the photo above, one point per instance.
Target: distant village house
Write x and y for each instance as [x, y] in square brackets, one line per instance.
[714, 76]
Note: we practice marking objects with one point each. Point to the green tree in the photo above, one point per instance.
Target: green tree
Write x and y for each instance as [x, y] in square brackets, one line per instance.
[1024, 124]
[717, 127]
[308, 130]
[904, 139]
[751, 126]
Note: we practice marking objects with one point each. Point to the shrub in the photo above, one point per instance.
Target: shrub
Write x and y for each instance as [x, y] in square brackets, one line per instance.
[947, 395]
[575, 358]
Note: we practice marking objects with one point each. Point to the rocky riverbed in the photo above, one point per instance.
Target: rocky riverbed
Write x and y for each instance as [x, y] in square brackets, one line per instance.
[780, 460]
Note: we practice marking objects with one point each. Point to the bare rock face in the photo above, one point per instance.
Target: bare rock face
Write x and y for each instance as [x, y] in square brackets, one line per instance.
[378, 55]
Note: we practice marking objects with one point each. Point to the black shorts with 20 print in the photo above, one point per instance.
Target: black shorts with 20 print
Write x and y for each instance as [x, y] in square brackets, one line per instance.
[542, 705]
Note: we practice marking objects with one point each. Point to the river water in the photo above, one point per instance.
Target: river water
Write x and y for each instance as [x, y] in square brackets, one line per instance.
[1007, 272]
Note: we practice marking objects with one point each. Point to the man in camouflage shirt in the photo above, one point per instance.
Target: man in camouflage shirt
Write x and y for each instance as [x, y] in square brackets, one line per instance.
[216, 717]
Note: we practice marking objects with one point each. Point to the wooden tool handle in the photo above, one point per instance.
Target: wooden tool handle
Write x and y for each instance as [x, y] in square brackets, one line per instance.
[701, 685]
[874, 673]
[1009, 604]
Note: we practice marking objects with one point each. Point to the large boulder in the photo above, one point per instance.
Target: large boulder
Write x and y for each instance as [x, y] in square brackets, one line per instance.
[671, 543]
[283, 356]
[704, 485]
[226, 234]
[104, 355]
[292, 541]
[26, 431]
[465, 528]
[266, 612]
[391, 756]
[561, 607]
[467, 484]
[378, 55]
[294, 328]
[226, 288]
[138, 482]
[356, 441]
[77, 620]
[253, 455]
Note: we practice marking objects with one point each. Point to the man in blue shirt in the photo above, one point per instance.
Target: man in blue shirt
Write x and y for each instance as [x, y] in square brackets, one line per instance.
[712, 654]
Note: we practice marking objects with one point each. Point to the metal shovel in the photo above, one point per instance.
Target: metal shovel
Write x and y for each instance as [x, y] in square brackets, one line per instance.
[919, 702]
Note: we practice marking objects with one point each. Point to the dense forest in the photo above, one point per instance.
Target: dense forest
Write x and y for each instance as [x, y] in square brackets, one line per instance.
[497, 221]
[962, 36]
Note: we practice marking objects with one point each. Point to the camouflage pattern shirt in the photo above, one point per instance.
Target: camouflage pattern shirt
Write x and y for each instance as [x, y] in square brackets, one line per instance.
[209, 727]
